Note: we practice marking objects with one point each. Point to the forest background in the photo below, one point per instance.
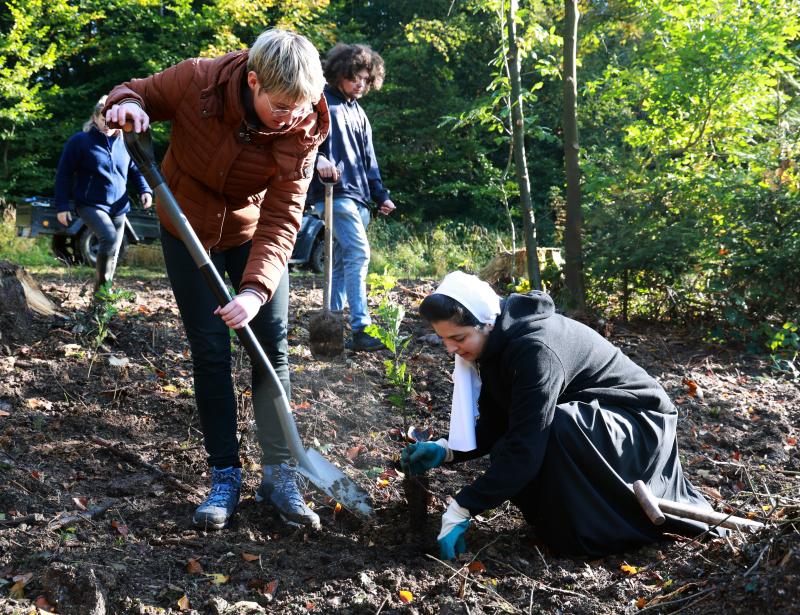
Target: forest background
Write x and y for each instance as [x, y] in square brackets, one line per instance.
[689, 118]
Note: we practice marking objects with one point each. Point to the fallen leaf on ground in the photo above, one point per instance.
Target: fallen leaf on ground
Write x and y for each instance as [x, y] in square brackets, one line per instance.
[405, 596]
[120, 527]
[629, 569]
[217, 578]
[271, 588]
[81, 503]
[35, 403]
[250, 557]
[694, 388]
[42, 604]
[641, 602]
[17, 591]
[183, 603]
[476, 566]
[194, 567]
[419, 434]
[352, 453]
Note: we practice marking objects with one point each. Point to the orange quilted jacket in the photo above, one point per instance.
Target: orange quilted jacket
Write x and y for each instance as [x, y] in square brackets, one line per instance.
[234, 182]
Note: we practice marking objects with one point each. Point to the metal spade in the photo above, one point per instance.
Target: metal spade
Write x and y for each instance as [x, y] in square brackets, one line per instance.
[311, 464]
[326, 328]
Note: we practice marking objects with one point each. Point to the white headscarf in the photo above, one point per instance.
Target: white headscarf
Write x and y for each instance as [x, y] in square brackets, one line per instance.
[479, 298]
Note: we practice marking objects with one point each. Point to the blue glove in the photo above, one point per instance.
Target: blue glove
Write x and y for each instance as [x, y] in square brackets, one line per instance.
[420, 457]
[455, 522]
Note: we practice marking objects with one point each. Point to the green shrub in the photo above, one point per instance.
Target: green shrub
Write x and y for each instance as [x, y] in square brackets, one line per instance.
[21, 250]
[431, 249]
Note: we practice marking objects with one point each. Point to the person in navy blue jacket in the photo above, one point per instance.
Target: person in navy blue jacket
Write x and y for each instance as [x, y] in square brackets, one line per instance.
[93, 171]
[348, 157]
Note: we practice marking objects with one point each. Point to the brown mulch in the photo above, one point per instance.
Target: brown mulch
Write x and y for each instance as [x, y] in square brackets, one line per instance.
[102, 464]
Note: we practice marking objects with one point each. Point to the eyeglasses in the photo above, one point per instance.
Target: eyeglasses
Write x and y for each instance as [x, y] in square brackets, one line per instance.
[283, 111]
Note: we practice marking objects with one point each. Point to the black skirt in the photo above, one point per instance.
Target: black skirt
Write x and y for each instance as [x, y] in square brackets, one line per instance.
[582, 501]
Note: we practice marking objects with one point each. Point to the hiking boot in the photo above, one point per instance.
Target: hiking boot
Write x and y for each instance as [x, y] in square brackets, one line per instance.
[363, 341]
[214, 513]
[279, 487]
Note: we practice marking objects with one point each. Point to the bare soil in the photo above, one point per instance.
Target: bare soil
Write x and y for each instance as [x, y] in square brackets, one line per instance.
[102, 464]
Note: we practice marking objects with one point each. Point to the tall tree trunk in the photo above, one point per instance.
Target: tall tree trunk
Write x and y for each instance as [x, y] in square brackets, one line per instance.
[573, 265]
[520, 160]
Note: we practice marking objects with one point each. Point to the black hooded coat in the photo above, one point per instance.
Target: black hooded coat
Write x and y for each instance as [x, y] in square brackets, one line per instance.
[570, 423]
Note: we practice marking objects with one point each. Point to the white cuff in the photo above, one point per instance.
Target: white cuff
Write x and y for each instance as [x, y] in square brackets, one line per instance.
[261, 296]
[444, 444]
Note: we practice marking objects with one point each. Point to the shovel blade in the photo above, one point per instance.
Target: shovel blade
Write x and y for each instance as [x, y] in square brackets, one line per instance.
[326, 334]
[332, 481]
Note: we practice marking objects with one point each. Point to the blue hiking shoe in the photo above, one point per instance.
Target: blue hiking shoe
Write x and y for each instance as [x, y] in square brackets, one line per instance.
[279, 487]
[216, 510]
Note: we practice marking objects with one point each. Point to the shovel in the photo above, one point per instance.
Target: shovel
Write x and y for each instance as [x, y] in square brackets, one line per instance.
[326, 328]
[311, 464]
[655, 508]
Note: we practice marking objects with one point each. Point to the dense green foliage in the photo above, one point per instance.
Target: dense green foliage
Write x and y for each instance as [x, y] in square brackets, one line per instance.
[690, 128]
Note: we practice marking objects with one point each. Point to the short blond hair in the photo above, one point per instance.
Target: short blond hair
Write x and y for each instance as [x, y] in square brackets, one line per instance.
[287, 64]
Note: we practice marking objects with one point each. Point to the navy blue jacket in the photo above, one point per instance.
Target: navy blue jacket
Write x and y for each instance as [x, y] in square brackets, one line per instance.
[93, 171]
[349, 143]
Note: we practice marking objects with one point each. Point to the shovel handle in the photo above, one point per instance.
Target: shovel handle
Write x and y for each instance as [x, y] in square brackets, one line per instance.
[649, 503]
[140, 149]
[328, 219]
[687, 511]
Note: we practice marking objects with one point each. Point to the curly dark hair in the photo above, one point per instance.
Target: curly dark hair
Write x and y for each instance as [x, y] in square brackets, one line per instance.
[344, 61]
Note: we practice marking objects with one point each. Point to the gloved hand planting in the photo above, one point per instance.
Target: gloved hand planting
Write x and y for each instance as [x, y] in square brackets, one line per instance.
[420, 457]
[455, 522]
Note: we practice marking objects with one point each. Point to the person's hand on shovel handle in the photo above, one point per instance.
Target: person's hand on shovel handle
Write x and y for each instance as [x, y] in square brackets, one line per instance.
[328, 172]
[240, 311]
[128, 112]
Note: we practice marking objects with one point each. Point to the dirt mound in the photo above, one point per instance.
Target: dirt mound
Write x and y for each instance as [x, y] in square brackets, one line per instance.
[125, 436]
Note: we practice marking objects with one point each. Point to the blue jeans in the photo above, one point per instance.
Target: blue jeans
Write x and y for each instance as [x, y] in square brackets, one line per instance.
[210, 343]
[350, 259]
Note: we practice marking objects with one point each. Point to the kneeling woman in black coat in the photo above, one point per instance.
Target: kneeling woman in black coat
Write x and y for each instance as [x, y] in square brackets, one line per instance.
[568, 420]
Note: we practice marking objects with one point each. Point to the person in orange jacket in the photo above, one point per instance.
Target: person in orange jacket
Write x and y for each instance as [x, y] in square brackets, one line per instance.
[245, 131]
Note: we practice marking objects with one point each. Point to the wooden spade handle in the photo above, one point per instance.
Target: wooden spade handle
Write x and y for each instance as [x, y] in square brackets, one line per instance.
[649, 503]
[655, 508]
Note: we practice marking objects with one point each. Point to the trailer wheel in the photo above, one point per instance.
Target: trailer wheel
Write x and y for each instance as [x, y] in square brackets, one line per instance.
[88, 245]
[317, 259]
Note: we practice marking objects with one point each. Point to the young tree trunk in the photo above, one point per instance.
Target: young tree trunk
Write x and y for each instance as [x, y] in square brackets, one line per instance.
[573, 266]
[520, 159]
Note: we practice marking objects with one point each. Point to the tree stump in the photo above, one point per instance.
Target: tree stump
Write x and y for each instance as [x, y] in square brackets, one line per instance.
[20, 300]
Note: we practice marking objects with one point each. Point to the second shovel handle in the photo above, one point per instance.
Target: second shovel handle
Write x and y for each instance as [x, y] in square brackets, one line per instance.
[328, 219]
[688, 511]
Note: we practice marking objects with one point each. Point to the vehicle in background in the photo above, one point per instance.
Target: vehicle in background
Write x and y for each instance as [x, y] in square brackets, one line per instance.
[309, 250]
[77, 244]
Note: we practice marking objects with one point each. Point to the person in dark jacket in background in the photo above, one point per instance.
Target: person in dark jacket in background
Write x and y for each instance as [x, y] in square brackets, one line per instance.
[348, 157]
[569, 421]
[245, 128]
[93, 171]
